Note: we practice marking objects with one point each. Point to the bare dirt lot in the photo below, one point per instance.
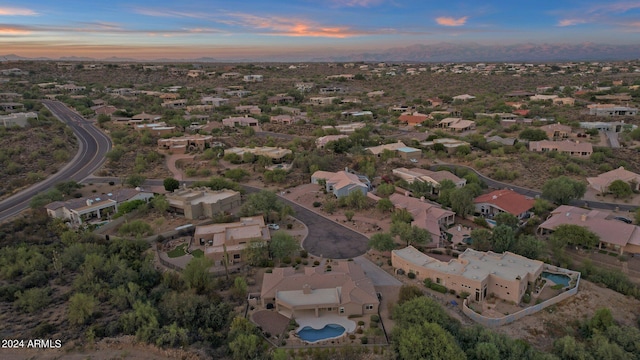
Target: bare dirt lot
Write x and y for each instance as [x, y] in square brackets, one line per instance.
[541, 329]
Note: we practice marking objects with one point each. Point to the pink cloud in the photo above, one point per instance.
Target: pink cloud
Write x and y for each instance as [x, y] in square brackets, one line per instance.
[570, 22]
[449, 21]
[10, 30]
[13, 11]
[355, 3]
[275, 25]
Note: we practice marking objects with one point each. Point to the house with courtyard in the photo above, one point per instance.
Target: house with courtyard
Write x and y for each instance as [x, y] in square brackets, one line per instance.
[449, 145]
[505, 200]
[615, 235]
[434, 178]
[17, 119]
[276, 154]
[426, 215]
[399, 148]
[240, 121]
[342, 289]
[577, 148]
[341, 183]
[196, 203]
[557, 131]
[346, 128]
[456, 124]
[94, 208]
[174, 104]
[611, 110]
[182, 144]
[601, 182]
[248, 109]
[228, 241]
[322, 141]
[506, 276]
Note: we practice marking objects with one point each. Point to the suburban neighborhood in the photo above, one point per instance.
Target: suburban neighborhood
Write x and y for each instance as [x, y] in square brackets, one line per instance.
[323, 209]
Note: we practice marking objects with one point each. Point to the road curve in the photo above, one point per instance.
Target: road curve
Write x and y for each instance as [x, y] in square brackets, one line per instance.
[534, 193]
[93, 145]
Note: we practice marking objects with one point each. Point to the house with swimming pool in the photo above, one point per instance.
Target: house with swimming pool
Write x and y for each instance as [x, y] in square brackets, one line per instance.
[506, 276]
[340, 288]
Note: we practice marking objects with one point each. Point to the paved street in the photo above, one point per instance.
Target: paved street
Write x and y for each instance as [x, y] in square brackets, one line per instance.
[376, 273]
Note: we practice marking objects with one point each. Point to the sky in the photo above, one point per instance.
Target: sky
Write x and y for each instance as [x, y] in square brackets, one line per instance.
[221, 29]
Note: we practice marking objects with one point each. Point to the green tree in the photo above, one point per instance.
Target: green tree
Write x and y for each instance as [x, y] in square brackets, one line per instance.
[135, 180]
[445, 190]
[384, 205]
[562, 190]
[620, 189]
[528, 246]
[255, 253]
[240, 287]
[265, 202]
[427, 341]
[171, 184]
[196, 274]
[81, 308]
[504, 218]
[462, 201]
[282, 244]
[68, 187]
[45, 198]
[32, 300]
[385, 189]
[502, 238]
[236, 174]
[160, 203]
[637, 216]
[542, 207]
[356, 200]
[401, 215]
[481, 239]
[246, 346]
[412, 235]
[408, 292]
[382, 242]
[349, 214]
[533, 134]
[173, 336]
[575, 235]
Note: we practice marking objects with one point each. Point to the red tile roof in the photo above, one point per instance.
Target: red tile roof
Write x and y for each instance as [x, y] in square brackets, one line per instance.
[507, 200]
[413, 119]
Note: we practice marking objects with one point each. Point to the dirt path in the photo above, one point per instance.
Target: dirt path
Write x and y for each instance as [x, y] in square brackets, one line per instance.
[171, 165]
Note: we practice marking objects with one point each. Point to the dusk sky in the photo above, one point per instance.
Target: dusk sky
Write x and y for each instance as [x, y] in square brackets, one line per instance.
[243, 29]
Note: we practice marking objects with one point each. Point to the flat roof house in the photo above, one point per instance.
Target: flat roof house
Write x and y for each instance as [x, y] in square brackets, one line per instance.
[17, 119]
[274, 153]
[567, 147]
[611, 110]
[556, 131]
[345, 290]
[507, 276]
[504, 200]
[202, 202]
[240, 121]
[231, 238]
[186, 143]
[399, 148]
[341, 183]
[601, 182]
[323, 140]
[614, 234]
[457, 124]
[81, 210]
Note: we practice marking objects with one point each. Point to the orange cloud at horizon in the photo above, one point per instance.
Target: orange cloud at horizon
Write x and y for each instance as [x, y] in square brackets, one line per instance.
[8, 30]
[13, 11]
[290, 27]
[449, 21]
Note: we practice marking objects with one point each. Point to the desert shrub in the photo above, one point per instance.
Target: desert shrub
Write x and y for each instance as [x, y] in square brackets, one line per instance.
[411, 275]
[317, 204]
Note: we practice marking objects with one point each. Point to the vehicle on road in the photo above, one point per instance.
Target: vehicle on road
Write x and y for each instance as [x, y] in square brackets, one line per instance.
[623, 219]
[273, 226]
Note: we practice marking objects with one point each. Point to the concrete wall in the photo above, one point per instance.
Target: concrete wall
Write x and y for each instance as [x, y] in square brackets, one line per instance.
[495, 322]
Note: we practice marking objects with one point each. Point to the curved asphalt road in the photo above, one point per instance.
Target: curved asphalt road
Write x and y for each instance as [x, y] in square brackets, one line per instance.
[93, 145]
[533, 193]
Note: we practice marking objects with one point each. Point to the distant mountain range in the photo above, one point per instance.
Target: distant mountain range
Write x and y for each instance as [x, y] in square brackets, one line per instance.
[441, 52]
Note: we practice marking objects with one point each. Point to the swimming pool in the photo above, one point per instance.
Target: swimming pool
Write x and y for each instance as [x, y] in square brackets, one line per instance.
[492, 223]
[557, 278]
[329, 331]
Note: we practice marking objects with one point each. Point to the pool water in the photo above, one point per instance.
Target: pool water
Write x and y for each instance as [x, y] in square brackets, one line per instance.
[491, 222]
[329, 331]
[557, 278]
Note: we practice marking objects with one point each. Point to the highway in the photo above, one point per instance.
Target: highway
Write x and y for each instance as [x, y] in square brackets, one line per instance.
[93, 145]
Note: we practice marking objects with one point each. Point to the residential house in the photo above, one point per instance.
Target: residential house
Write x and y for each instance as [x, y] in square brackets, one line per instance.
[156, 129]
[104, 110]
[615, 126]
[304, 86]
[502, 141]
[332, 90]
[71, 88]
[399, 148]
[240, 121]
[144, 117]
[346, 128]
[413, 120]
[344, 289]
[464, 97]
[249, 109]
[288, 110]
[457, 124]
[341, 76]
[377, 93]
[427, 216]
[322, 141]
[215, 101]
[564, 101]
[238, 93]
[434, 178]
[613, 234]
[571, 148]
[230, 75]
[282, 119]
[611, 110]
[182, 144]
[356, 113]
[557, 131]
[11, 106]
[601, 182]
[94, 208]
[450, 145]
[194, 73]
[341, 183]
[435, 102]
[195, 203]
[253, 78]
[276, 154]
[322, 100]
[505, 200]
[505, 276]
[17, 119]
[174, 104]
[10, 96]
[226, 242]
[540, 97]
[13, 72]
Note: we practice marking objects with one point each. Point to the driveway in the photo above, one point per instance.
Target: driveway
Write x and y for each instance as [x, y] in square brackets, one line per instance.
[378, 276]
